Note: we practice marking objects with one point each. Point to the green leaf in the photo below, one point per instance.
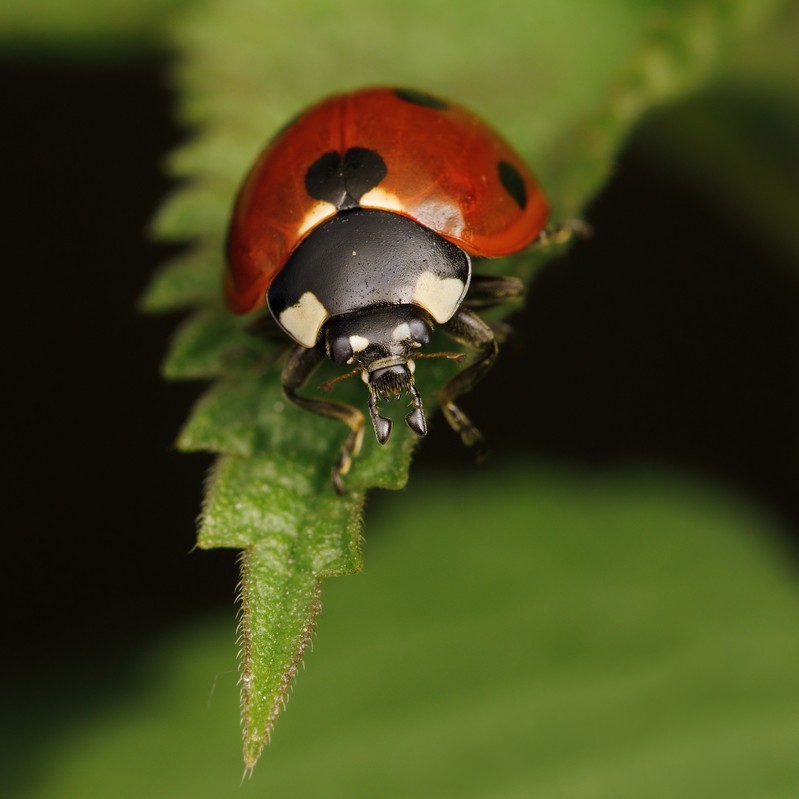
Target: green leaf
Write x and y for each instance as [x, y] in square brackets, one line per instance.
[564, 82]
[190, 279]
[107, 29]
[579, 636]
[737, 143]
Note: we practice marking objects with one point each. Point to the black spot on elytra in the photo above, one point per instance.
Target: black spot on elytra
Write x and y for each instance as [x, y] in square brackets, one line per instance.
[513, 182]
[421, 98]
[343, 181]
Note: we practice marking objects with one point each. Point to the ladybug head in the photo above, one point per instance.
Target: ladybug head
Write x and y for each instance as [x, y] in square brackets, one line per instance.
[381, 343]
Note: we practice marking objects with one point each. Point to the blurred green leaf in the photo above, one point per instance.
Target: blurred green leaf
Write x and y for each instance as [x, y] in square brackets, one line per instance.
[576, 636]
[564, 81]
[85, 28]
[737, 143]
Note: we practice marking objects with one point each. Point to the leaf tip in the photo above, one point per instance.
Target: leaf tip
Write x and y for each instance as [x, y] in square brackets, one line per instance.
[257, 729]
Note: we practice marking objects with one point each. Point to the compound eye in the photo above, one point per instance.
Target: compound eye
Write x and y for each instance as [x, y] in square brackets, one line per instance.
[340, 350]
[420, 332]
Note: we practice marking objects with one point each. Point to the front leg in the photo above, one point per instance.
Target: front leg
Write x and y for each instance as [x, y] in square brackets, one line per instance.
[469, 329]
[301, 364]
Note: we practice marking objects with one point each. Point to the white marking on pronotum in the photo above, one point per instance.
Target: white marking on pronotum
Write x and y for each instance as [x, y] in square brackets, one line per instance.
[319, 212]
[303, 319]
[358, 343]
[381, 199]
[401, 332]
[440, 296]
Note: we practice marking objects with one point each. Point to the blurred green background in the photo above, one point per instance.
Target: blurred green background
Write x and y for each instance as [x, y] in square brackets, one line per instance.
[588, 636]
[607, 608]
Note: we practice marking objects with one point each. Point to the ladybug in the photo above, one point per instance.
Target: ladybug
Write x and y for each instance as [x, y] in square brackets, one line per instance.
[357, 226]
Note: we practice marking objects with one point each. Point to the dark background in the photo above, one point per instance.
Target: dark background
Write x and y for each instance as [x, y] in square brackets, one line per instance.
[669, 339]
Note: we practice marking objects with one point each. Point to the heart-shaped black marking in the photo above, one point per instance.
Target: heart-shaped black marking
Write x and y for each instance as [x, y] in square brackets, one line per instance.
[343, 181]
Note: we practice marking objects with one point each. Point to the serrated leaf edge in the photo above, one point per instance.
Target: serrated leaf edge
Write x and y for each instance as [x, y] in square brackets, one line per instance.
[255, 740]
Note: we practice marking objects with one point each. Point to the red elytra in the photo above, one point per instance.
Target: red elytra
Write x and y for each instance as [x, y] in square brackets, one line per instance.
[445, 169]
